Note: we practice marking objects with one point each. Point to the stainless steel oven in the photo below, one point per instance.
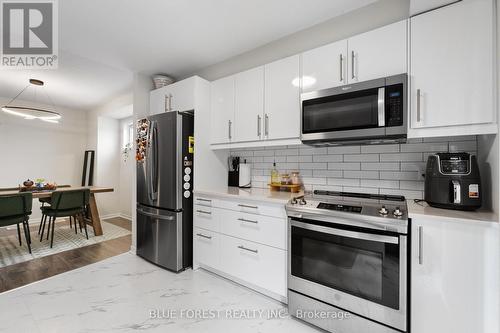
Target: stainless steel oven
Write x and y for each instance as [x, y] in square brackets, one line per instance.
[372, 111]
[346, 260]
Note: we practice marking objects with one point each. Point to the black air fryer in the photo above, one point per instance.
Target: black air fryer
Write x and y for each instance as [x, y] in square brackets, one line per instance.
[452, 181]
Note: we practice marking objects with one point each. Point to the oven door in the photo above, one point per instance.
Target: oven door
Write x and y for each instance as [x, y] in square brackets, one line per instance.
[355, 269]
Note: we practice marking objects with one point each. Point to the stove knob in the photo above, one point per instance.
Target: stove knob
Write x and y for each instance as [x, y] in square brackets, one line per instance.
[397, 212]
[383, 211]
[302, 201]
[293, 201]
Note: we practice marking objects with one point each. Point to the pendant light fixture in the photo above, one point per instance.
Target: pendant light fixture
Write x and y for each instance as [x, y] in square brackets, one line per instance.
[28, 112]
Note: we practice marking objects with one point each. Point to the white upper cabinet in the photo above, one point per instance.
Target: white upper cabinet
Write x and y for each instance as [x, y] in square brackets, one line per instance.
[451, 67]
[454, 286]
[222, 110]
[249, 105]
[377, 53]
[420, 6]
[282, 99]
[178, 96]
[324, 67]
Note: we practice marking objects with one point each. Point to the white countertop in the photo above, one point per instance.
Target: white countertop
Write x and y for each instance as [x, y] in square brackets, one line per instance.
[254, 194]
[423, 209]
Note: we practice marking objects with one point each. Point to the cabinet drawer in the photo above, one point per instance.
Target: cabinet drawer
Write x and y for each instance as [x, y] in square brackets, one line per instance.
[206, 247]
[261, 265]
[256, 228]
[253, 208]
[206, 218]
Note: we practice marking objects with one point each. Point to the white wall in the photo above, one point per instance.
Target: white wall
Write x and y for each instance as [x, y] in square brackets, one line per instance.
[35, 149]
[103, 136]
[378, 14]
[108, 164]
[127, 167]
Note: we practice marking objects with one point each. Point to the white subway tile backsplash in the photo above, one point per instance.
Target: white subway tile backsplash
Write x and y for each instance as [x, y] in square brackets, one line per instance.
[328, 158]
[361, 158]
[344, 166]
[379, 183]
[344, 150]
[380, 166]
[361, 174]
[326, 173]
[386, 169]
[343, 182]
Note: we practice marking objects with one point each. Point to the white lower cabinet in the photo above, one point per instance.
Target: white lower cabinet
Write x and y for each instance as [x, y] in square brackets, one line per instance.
[454, 276]
[236, 240]
[206, 247]
[261, 265]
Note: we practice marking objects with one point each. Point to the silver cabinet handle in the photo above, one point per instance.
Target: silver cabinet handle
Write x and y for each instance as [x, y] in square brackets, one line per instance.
[201, 199]
[204, 236]
[341, 68]
[421, 245]
[258, 125]
[249, 221]
[204, 212]
[241, 247]
[247, 206]
[266, 125]
[229, 129]
[353, 67]
[418, 106]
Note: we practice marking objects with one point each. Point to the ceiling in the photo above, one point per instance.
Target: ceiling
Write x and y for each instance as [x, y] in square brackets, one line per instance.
[103, 42]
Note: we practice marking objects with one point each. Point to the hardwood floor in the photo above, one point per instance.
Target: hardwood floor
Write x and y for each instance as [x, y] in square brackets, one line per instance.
[18, 275]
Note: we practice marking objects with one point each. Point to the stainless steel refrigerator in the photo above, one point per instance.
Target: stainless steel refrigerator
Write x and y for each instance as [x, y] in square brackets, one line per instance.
[164, 189]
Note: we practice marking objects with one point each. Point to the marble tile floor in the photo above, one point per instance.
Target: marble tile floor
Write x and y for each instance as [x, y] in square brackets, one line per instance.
[127, 294]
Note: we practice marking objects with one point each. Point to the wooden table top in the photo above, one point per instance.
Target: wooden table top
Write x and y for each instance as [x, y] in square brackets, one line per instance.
[47, 194]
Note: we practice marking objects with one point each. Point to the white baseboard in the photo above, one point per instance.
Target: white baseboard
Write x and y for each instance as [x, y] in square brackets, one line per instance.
[133, 249]
[126, 217]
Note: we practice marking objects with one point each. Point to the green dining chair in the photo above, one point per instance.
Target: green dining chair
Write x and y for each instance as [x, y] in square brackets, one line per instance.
[71, 203]
[16, 209]
[47, 200]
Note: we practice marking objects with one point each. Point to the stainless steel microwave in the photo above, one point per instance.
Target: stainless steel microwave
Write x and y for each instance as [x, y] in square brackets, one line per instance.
[367, 112]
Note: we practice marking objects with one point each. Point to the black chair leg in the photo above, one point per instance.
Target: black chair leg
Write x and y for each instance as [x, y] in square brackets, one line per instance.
[70, 224]
[53, 227]
[44, 221]
[75, 220]
[84, 226]
[19, 235]
[41, 222]
[26, 234]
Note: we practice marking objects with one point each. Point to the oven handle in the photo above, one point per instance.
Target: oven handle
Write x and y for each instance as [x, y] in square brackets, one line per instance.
[347, 233]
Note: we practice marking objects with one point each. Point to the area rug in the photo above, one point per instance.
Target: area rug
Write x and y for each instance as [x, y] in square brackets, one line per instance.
[64, 239]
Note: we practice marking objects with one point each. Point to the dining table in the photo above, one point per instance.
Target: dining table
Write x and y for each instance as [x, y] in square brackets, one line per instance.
[94, 220]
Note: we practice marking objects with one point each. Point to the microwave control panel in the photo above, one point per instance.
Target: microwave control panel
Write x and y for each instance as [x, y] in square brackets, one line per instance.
[394, 106]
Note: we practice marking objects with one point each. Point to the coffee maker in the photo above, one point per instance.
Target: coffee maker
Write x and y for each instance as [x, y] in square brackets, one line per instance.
[452, 181]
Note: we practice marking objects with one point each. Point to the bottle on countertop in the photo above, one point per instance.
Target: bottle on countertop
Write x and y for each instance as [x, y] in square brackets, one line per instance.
[275, 175]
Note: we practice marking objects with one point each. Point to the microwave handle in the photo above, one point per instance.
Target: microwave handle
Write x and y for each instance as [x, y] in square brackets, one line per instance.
[381, 107]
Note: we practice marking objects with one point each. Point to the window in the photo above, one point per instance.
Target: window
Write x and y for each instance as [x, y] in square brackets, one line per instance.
[128, 135]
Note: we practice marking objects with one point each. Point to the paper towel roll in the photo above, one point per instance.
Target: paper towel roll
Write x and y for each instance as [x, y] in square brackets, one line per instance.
[245, 176]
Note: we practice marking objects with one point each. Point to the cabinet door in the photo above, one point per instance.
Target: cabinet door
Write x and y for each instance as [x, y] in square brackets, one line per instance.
[378, 53]
[324, 67]
[282, 99]
[451, 264]
[249, 101]
[222, 110]
[181, 95]
[158, 101]
[451, 68]
[206, 247]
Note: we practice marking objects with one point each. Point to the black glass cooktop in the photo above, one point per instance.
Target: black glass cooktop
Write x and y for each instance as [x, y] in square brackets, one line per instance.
[342, 208]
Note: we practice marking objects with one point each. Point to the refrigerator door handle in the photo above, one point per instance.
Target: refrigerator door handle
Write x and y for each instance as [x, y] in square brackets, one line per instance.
[159, 217]
[154, 163]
